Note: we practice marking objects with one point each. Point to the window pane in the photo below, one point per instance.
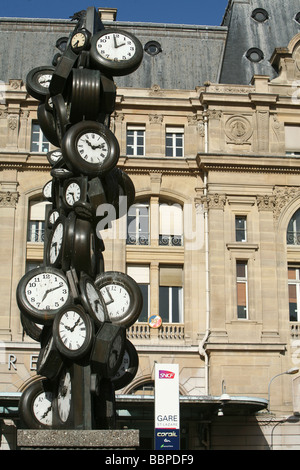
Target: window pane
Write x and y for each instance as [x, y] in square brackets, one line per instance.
[242, 300]
[241, 269]
[164, 303]
[176, 304]
[145, 293]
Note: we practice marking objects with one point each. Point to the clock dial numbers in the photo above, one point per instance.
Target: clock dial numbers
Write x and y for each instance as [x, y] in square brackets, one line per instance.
[42, 292]
[116, 47]
[116, 51]
[122, 297]
[92, 147]
[73, 193]
[36, 405]
[73, 332]
[54, 251]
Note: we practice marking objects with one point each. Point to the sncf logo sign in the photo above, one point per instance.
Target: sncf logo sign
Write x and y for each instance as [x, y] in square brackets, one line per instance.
[166, 374]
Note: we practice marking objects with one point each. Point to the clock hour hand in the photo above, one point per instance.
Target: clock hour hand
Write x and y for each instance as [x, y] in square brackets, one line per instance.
[47, 411]
[48, 292]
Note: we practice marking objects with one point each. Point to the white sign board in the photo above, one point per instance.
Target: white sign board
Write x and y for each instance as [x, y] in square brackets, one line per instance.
[167, 420]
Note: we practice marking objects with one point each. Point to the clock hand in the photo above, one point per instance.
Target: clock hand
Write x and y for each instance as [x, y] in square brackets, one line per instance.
[48, 292]
[47, 411]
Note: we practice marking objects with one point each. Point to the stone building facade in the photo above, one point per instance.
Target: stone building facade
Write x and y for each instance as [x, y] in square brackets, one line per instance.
[212, 236]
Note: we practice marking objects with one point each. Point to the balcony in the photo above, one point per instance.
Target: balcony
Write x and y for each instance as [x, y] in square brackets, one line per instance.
[295, 330]
[173, 333]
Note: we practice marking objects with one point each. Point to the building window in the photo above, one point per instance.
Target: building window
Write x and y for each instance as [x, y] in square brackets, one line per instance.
[135, 140]
[141, 275]
[242, 289]
[292, 140]
[36, 222]
[39, 143]
[293, 231]
[174, 141]
[255, 55]
[260, 15]
[138, 225]
[153, 48]
[170, 225]
[240, 228]
[171, 294]
[294, 292]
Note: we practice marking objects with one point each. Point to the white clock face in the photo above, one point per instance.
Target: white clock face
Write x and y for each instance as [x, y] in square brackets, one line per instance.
[116, 47]
[92, 148]
[56, 242]
[64, 397]
[44, 80]
[55, 156]
[42, 408]
[47, 291]
[53, 217]
[72, 330]
[117, 300]
[73, 193]
[95, 302]
[48, 189]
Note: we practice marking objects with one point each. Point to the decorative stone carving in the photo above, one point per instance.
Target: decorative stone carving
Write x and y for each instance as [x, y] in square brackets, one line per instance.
[266, 203]
[213, 201]
[8, 199]
[238, 129]
[156, 118]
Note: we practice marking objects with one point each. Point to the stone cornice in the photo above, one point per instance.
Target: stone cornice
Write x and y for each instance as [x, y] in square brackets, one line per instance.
[248, 163]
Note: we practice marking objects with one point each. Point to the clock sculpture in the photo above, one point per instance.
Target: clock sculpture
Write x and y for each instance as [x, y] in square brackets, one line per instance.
[75, 309]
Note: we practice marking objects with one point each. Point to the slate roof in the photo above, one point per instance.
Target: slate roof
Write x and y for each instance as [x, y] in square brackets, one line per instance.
[190, 56]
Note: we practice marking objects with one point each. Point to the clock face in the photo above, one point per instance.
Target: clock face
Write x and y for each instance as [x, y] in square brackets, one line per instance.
[46, 291]
[42, 292]
[47, 190]
[117, 300]
[122, 297]
[44, 79]
[72, 330]
[53, 216]
[116, 47]
[73, 193]
[56, 243]
[54, 156]
[78, 40]
[42, 408]
[64, 396]
[92, 147]
[95, 302]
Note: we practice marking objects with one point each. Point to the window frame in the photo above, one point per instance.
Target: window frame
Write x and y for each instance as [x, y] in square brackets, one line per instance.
[174, 133]
[242, 280]
[294, 282]
[135, 145]
[41, 141]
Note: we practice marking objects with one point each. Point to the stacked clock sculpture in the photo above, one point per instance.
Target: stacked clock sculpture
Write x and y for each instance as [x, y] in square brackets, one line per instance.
[76, 310]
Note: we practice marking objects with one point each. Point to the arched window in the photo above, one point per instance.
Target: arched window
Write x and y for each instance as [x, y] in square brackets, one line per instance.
[293, 231]
[36, 221]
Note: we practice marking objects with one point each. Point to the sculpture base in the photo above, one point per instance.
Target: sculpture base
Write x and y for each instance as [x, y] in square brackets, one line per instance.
[69, 439]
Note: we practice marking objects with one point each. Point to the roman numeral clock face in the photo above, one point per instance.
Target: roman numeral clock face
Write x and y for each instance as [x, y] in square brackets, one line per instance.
[90, 148]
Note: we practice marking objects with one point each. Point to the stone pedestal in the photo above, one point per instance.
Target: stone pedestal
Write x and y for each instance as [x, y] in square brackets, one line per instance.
[77, 439]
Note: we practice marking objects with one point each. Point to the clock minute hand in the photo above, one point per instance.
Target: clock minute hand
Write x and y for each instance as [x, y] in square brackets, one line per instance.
[48, 292]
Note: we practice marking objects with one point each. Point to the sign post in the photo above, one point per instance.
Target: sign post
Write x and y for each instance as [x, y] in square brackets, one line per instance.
[167, 423]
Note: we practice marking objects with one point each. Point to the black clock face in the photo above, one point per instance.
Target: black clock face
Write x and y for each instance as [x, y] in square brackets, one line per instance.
[90, 148]
[115, 51]
[122, 297]
[42, 292]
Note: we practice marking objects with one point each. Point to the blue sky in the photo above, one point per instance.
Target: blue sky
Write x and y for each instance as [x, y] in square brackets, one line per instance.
[200, 12]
